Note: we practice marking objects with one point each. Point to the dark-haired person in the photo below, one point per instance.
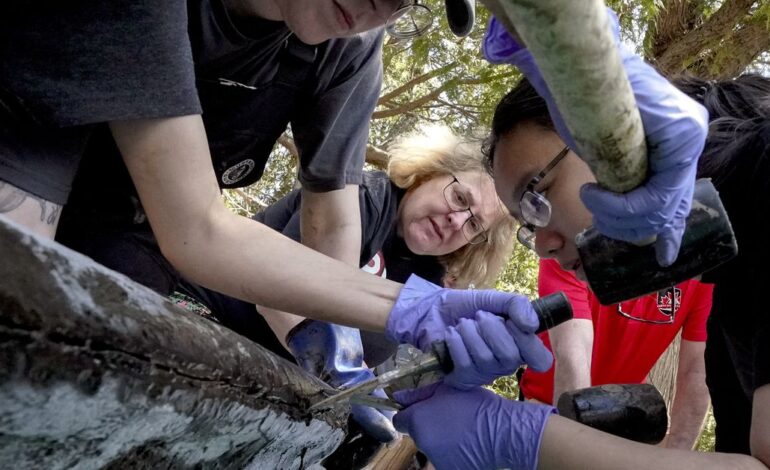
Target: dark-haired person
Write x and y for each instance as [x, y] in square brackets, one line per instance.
[480, 430]
[70, 70]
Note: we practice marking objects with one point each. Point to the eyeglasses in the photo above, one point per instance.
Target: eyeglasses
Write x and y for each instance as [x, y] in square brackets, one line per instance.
[456, 196]
[410, 20]
[668, 303]
[535, 209]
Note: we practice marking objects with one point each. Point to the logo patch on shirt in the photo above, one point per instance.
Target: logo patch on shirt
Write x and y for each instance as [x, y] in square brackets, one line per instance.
[238, 171]
[376, 265]
[669, 301]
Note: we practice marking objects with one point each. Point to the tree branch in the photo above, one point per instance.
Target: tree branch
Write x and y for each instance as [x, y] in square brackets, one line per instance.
[675, 18]
[720, 24]
[412, 105]
[737, 51]
[377, 157]
[416, 81]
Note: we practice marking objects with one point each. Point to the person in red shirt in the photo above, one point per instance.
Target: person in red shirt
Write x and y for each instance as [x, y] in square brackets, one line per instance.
[620, 343]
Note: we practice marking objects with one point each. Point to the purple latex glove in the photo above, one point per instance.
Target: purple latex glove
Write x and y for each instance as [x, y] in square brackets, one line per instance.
[676, 128]
[473, 429]
[489, 347]
[334, 354]
[423, 311]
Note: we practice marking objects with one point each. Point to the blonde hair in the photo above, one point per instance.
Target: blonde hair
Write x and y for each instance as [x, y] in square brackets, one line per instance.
[436, 151]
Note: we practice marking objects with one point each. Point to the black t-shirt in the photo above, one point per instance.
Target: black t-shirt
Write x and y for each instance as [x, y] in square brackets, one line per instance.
[378, 201]
[67, 64]
[739, 306]
[81, 62]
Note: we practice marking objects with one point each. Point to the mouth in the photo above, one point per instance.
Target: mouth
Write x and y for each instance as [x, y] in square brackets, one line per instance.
[343, 17]
[436, 229]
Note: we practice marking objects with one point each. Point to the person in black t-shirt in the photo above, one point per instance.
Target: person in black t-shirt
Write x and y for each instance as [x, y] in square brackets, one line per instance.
[399, 215]
[69, 70]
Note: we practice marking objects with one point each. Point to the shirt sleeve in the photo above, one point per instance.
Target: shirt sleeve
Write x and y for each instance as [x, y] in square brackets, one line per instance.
[332, 132]
[694, 328]
[99, 61]
[552, 278]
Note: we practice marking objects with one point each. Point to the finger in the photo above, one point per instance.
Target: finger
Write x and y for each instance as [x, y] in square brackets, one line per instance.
[374, 423]
[403, 419]
[413, 395]
[461, 358]
[634, 235]
[476, 345]
[500, 342]
[667, 246]
[533, 351]
[523, 316]
[639, 201]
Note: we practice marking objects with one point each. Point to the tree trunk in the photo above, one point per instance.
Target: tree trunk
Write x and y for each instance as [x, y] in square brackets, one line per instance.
[99, 372]
[663, 374]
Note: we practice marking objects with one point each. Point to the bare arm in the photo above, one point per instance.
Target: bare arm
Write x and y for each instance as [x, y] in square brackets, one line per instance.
[760, 425]
[569, 445]
[330, 224]
[170, 165]
[692, 397]
[33, 212]
[572, 343]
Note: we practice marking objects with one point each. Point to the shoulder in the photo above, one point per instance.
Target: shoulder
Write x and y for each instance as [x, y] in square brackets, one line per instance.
[349, 55]
[376, 193]
[360, 43]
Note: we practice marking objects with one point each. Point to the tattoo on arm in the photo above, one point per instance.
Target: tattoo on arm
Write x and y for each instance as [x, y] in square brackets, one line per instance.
[11, 198]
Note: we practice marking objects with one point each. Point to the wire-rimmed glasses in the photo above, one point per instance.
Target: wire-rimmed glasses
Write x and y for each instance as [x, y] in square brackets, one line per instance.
[410, 20]
[456, 197]
[535, 209]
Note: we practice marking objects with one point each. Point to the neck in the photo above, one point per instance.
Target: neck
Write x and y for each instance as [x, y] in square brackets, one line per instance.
[265, 9]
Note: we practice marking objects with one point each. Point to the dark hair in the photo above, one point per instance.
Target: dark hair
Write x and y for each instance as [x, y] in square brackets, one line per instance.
[521, 104]
[738, 109]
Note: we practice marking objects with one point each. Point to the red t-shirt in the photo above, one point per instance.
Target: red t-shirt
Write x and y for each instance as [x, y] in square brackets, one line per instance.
[624, 349]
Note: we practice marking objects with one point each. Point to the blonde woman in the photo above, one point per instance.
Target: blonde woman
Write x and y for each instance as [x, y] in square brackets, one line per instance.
[435, 214]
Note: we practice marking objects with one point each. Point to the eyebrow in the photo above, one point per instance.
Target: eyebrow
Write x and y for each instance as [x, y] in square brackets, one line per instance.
[468, 190]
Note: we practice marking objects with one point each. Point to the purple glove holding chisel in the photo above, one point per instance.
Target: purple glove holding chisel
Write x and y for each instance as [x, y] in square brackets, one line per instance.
[675, 126]
[493, 332]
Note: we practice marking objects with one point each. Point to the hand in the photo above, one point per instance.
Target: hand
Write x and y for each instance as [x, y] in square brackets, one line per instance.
[490, 347]
[334, 354]
[676, 128]
[423, 311]
[473, 429]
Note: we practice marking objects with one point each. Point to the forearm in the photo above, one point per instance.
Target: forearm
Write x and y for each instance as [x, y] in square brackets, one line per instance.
[568, 445]
[692, 397]
[170, 165]
[687, 414]
[572, 344]
[285, 275]
[330, 223]
[281, 323]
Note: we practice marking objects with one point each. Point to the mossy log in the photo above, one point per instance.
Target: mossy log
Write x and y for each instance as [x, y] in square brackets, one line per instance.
[99, 372]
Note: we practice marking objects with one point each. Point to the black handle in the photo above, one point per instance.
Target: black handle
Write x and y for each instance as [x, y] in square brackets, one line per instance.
[552, 310]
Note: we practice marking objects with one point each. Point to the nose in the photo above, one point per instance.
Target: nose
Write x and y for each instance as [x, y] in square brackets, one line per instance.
[547, 243]
[458, 218]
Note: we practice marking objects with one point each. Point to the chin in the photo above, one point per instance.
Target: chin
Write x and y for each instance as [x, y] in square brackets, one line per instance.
[415, 246]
